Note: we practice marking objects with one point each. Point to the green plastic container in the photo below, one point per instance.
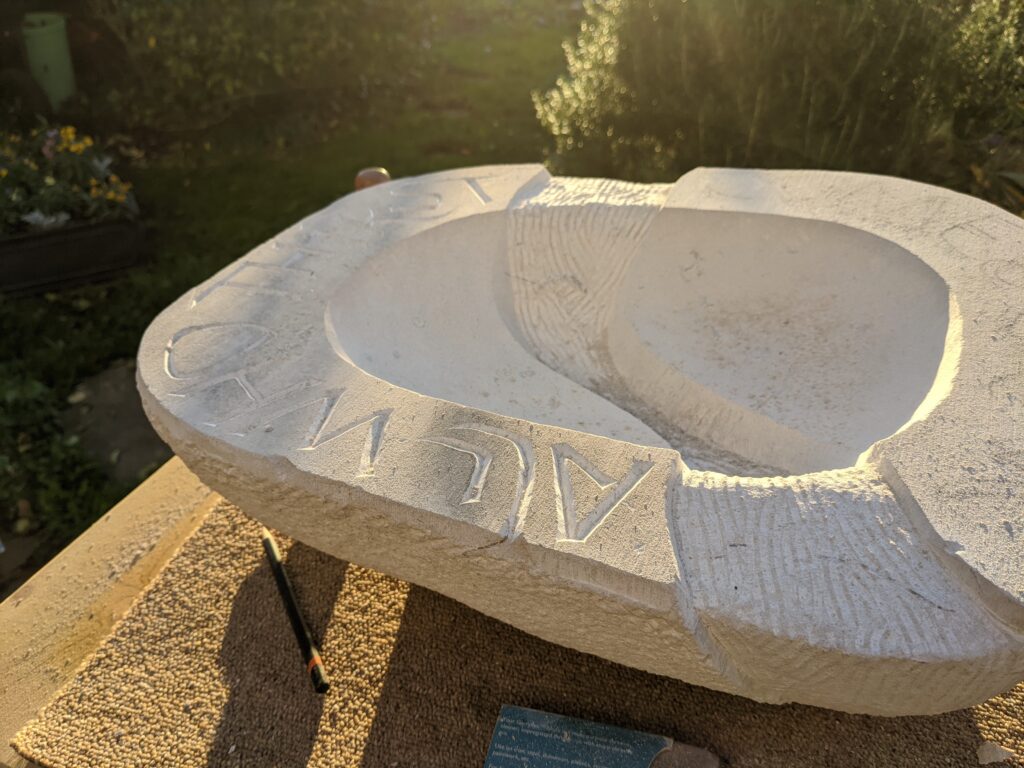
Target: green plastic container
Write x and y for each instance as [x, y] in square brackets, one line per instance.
[49, 57]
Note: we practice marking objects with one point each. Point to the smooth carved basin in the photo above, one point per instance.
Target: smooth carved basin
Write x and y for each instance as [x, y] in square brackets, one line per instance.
[755, 430]
[754, 344]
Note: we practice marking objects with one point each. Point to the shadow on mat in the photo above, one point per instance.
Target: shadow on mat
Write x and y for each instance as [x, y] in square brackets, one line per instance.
[261, 662]
[452, 668]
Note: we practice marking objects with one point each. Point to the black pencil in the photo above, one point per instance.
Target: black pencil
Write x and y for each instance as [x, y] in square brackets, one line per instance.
[310, 653]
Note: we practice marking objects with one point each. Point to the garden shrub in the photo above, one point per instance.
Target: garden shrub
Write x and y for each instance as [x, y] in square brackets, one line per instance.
[190, 63]
[929, 89]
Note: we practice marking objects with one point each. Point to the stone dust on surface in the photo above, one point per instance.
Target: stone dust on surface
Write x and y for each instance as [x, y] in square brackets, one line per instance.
[204, 670]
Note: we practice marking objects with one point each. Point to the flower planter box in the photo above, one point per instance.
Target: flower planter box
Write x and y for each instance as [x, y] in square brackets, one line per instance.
[71, 255]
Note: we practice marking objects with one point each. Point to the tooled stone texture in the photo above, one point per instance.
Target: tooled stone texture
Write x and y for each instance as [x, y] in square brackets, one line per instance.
[722, 430]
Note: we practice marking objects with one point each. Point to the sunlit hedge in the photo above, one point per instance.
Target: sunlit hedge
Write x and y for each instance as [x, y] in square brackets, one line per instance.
[191, 62]
[929, 89]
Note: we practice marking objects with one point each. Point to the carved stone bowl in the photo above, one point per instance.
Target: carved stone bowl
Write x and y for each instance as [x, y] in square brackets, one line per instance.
[760, 431]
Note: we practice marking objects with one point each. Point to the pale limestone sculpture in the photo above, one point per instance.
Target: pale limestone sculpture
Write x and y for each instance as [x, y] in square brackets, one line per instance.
[760, 431]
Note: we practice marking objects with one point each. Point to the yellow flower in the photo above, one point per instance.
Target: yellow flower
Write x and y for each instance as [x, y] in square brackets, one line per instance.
[114, 178]
[111, 195]
[93, 182]
[49, 181]
[87, 141]
[151, 42]
[67, 133]
[3, 172]
[31, 164]
[95, 192]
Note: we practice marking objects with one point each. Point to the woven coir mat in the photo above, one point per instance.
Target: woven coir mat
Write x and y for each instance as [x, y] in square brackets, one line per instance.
[204, 670]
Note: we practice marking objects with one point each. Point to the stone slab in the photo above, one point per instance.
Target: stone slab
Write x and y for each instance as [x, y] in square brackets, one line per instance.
[754, 430]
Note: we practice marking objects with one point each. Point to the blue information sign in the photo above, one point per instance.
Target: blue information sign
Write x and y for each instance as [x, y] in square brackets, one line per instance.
[526, 738]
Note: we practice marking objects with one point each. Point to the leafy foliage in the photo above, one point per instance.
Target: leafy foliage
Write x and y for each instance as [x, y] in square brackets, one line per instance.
[42, 470]
[52, 176]
[192, 62]
[915, 88]
[208, 198]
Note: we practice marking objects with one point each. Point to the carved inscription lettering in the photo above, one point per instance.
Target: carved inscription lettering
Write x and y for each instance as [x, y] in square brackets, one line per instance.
[973, 238]
[321, 429]
[188, 353]
[474, 185]
[572, 525]
[483, 459]
[255, 277]
[414, 200]
[375, 424]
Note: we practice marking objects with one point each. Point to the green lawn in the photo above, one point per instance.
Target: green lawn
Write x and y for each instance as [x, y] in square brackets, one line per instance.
[210, 198]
